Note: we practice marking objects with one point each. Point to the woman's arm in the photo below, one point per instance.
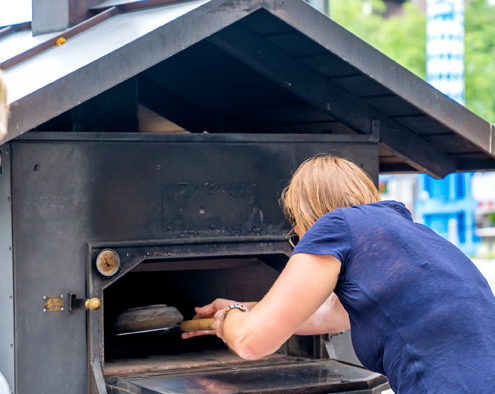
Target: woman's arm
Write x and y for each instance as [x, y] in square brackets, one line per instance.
[304, 285]
[329, 318]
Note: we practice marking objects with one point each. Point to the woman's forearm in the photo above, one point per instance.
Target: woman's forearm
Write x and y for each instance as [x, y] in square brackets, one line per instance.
[250, 339]
[293, 299]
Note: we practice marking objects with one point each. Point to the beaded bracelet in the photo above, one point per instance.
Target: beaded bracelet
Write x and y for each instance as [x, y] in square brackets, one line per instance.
[241, 307]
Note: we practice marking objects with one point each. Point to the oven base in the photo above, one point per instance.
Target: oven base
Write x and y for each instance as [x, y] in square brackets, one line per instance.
[275, 376]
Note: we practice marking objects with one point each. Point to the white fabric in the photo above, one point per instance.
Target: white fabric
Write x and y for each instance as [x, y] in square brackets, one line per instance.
[4, 386]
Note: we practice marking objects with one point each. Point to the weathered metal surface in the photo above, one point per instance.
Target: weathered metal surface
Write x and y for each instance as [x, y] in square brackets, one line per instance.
[53, 303]
[7, 341]
[298, 377]
[79, 193]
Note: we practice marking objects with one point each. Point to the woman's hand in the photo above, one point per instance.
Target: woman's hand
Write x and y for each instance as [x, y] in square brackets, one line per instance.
[207, 311]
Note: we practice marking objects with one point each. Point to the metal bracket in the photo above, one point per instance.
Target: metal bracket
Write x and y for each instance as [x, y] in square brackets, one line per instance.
[76, 304]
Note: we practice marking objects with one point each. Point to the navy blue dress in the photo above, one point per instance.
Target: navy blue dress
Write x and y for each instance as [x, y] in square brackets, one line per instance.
[421, 313]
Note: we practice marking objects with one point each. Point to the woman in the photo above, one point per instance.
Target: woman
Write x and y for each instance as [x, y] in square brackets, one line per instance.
[420, 311]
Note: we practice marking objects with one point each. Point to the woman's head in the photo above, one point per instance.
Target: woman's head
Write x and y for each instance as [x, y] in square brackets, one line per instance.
[3, 108]
[324, 183]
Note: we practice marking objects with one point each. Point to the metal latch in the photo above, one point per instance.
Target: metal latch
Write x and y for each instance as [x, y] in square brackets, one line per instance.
[53, 303]
[75, 304]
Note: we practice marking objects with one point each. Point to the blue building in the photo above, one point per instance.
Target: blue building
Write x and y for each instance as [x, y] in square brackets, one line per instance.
[447, 206]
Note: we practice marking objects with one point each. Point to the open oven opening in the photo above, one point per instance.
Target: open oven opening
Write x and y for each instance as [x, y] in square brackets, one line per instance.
[183, 284]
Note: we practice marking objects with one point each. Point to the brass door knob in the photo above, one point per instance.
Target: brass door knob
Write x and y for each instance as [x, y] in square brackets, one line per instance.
[93, 304]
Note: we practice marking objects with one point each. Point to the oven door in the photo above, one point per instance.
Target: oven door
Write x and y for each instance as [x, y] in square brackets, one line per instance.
[277, 374]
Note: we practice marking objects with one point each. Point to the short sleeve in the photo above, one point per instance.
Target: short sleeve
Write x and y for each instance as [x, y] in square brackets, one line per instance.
[330, 235]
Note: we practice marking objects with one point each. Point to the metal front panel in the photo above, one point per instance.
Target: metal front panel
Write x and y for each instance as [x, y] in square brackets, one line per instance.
[6, 271]
[71, 190]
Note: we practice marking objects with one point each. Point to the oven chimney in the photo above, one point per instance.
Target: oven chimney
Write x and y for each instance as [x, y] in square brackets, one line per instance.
[55, 15]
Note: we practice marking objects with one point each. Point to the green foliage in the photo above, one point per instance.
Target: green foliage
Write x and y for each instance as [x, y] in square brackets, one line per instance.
[491, 219]
[480, 58]
[403, 38]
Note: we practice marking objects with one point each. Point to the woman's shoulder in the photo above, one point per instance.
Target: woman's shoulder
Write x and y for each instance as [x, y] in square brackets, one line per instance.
[379, 209]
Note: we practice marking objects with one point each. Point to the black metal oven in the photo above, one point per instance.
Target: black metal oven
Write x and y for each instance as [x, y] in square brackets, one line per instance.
[187, 218]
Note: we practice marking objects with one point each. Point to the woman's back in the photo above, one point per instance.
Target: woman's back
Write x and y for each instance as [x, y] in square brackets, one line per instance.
[420, 311]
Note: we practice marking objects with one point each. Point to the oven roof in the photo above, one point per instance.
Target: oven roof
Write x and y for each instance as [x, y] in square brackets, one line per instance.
[251, 66]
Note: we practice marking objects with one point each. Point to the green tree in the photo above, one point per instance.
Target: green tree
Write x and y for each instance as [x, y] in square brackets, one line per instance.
[403, 39]
[480, 58]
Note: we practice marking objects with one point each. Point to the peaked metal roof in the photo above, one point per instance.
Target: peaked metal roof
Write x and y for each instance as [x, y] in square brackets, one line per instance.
[251, 66]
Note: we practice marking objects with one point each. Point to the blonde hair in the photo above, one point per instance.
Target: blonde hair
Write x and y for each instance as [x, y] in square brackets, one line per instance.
[4, 110]
[324, 183]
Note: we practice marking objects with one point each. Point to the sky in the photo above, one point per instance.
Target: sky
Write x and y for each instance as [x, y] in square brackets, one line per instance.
[14, 11]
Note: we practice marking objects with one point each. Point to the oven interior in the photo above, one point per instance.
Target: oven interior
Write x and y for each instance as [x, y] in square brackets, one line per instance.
[184, 284]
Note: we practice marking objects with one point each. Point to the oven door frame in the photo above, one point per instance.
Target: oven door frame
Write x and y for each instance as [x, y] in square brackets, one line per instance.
[133, 253]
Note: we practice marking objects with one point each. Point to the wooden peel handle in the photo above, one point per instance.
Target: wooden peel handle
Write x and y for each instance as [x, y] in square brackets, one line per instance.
[197, 325]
